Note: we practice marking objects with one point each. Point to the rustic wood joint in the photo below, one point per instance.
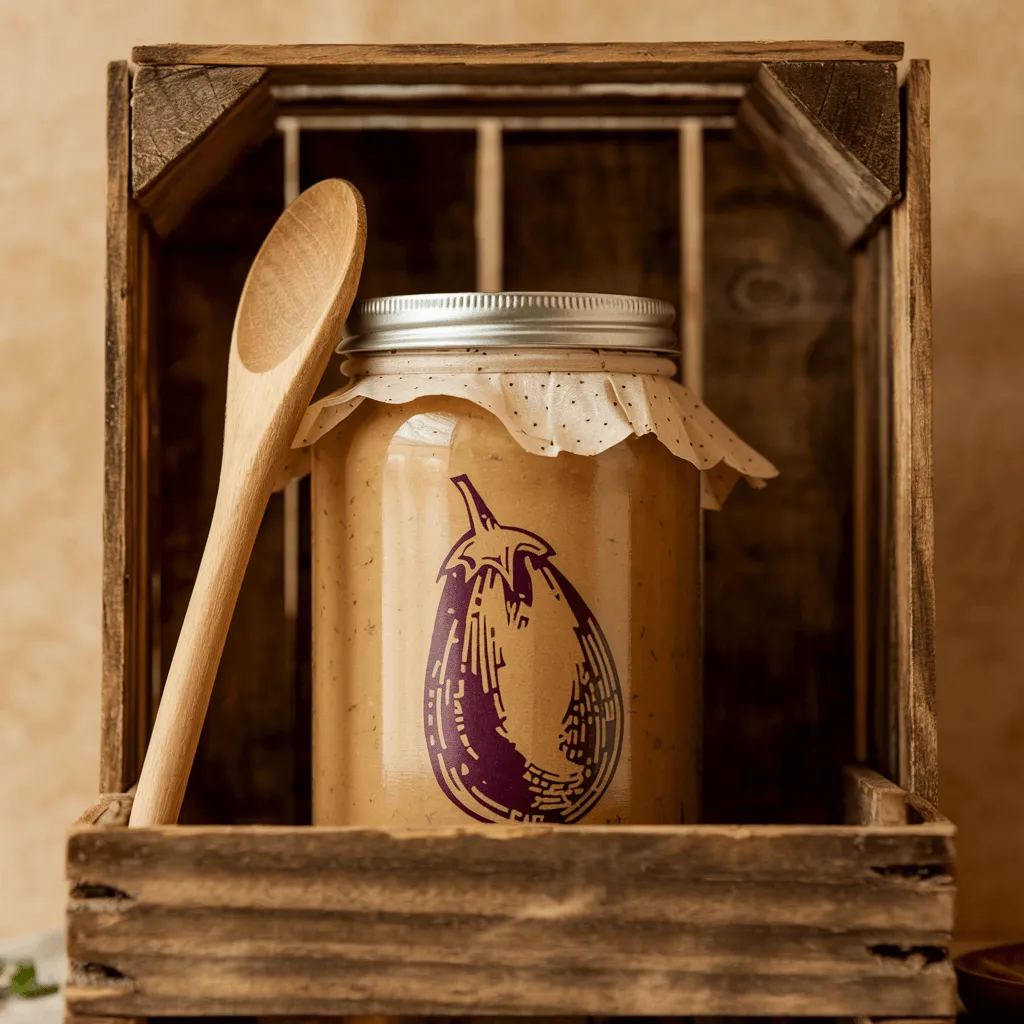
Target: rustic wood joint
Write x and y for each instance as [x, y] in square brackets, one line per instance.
[174, 107]
[188, 126]
[834, 128]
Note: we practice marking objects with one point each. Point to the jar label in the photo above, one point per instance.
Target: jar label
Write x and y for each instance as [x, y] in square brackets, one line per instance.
[522, 708]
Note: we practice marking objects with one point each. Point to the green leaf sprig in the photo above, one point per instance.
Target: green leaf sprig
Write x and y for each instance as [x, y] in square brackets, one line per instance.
[24, 984]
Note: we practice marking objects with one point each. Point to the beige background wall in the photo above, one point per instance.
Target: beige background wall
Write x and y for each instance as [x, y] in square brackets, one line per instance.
[52, 57]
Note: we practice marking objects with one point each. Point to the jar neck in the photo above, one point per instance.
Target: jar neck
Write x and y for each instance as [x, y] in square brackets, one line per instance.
[509, 360]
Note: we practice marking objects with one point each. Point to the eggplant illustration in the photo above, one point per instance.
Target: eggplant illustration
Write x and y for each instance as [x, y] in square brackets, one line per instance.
[522, 704]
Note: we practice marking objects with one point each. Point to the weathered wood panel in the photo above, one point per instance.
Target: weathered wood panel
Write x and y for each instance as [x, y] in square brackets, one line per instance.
[711, 61]
[593, 211]
[834, 128]
[673, 920]
[418, 188]
[173, 107]
[913, 586]
[128, 452]
[189, 126]
[243, 771]
[778, 590]
[872, 799]
[857, 104]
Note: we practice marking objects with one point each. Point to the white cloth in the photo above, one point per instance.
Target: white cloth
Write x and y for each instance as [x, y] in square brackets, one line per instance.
[590, 402]
[46, 951]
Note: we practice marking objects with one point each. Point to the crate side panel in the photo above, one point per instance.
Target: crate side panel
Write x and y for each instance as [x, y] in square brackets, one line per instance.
[244, 767]
[705, 920]
[778, 616]
[418, 189]
[592, 211]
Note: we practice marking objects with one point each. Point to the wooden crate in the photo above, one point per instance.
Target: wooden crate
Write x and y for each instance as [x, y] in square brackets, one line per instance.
[781, 191]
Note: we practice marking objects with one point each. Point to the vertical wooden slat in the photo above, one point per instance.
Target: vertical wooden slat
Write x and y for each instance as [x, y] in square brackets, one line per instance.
[290, 132]
[914, 553]
[884, 717]
[691, 209]
[243, 770]
[294, 523]
[141, 501]
[691, 334]
[121, 598]
[489, 206]
[864, 306]
[777, 368]
[872, 389]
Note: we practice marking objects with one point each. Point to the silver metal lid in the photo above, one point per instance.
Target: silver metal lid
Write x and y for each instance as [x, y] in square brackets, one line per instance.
[460, 320]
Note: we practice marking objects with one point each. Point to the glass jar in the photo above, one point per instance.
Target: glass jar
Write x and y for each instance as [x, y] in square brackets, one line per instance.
[498, 635]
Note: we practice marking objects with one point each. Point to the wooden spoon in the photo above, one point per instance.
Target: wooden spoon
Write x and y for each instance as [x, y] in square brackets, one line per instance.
[295, 300]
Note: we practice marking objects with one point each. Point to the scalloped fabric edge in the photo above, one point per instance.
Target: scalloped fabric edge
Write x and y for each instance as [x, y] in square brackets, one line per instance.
[580, 412]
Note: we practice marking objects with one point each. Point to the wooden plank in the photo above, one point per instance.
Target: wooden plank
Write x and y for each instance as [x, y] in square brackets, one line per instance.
[871, 799]
[189, 125]
[126, 427]
[922, 810]
[244, 767]
[507, 123]
[490, 196]
[877, 690]
[588, 920]
[419, 191]
[834, 128]
[877, 727]
[691, 233]
[71, 1017]
[905, 1020]
[778, 641]
[912, 474]
[437, 63]
[172, 108]
[593, 211]
[109, 809]
[858, 106]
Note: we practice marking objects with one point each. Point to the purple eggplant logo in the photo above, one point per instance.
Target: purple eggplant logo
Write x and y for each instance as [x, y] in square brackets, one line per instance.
[522, 704]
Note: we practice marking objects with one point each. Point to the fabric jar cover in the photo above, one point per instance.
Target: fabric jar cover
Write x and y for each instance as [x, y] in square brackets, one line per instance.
[579, 401]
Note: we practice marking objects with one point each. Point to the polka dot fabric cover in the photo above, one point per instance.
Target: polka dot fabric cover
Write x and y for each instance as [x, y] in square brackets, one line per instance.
[591, 403]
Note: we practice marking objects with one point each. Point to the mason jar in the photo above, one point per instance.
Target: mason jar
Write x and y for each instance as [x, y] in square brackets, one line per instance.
[505, 519]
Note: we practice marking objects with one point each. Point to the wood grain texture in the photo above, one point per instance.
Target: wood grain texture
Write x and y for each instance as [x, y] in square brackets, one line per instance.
[777, 369]
[593, 211]
[244, 767]
[296, 298]
[173, 107]
[419, 189]
[691, 235]
[600, 920]
[872, 799]
[127, 450]
[455, 62]
[905, 1020]
[877, 697]
[834, 128]
[189, 125]
[857, 104]
[109, 809]
[912, 474]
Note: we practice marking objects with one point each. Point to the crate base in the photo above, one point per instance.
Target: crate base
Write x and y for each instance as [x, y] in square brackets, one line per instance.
[850, 920]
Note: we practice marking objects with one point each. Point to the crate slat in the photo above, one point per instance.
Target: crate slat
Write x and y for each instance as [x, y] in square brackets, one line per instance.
[835, 128]
[576, 920]
[913, 584]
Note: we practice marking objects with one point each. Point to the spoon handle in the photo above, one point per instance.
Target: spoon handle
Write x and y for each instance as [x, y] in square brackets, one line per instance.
[186, 694]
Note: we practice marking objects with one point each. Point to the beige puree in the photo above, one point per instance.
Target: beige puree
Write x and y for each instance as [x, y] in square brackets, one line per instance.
[620, 526]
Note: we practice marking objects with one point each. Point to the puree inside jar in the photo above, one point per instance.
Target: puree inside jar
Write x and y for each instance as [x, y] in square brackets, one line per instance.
[497, 635]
